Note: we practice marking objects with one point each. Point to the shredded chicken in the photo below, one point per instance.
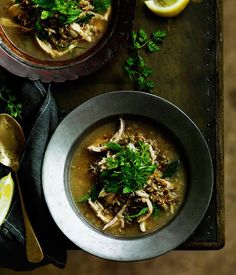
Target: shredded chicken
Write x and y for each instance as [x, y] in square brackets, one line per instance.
[117, 136]
[98, 209]
[142, 226]
[149, 213]
[119, 216]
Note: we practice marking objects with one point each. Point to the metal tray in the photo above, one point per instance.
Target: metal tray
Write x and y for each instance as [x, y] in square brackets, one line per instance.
[188, 72]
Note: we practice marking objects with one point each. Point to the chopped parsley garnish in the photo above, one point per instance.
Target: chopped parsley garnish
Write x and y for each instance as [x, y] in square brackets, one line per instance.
[128, 170]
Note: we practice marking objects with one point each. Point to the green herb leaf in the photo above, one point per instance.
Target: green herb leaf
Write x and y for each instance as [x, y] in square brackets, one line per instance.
[130, 61]
[171, 169]
[101, 6]
[113, 146]
[159, 35]
[84, 198]
[152, 47]
[146, 72]
[142, 36]
[95, 192]
[156, 211]
[84, 19]
[45, 14]
[127, 190]
[140, 213]
[12, 107]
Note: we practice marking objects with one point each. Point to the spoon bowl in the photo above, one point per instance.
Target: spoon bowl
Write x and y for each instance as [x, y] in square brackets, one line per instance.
[12, 141]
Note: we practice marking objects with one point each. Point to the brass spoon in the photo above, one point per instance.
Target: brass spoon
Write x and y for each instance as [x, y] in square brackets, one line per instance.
[12, 142]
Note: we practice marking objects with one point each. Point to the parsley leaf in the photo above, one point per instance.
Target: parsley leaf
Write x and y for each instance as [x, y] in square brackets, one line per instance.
[12, 107]
[171, 169]
[95, 192]
[113, 146]
[140, 213]
[156, 211]
[101, 6]
[142, 36]
[84, 198]
[153, 47]
[135, 66]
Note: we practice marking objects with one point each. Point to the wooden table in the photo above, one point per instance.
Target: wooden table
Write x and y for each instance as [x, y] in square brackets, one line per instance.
[187, 72]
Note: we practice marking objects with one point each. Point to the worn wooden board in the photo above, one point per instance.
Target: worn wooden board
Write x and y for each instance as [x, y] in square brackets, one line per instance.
[187, 72]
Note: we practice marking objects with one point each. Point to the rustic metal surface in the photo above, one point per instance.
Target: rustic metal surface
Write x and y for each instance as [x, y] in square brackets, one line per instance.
[187, 72]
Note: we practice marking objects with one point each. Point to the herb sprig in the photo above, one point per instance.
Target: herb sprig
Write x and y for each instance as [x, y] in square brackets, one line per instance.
[128, 170]
[135, 66]
[12, 107]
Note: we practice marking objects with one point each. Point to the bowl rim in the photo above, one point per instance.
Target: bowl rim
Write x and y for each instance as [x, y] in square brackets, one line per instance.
[54, 177]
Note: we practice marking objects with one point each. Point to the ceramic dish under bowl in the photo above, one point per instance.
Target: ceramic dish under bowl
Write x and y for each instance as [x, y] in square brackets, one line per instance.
[21, 64]
[59, 154]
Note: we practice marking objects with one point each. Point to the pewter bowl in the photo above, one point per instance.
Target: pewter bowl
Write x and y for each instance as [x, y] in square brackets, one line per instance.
[59, 153]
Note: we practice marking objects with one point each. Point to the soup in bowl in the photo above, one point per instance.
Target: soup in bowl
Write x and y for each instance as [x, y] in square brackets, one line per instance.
[128, 181]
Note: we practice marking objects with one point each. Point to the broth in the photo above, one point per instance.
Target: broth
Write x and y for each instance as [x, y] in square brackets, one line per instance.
[81, 180]
[26, 42]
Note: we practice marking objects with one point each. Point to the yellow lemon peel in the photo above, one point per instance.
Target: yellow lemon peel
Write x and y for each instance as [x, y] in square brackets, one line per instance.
[166, 8]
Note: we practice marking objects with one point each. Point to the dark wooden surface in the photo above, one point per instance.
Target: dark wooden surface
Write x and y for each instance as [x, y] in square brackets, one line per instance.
[187, 72]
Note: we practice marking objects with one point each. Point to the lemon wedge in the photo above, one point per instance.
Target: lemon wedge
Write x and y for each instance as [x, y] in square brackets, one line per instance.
[6, 194]
[167, 8]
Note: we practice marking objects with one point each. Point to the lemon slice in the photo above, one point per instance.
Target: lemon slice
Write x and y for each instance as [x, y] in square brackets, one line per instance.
[167, 8]
[6, 194]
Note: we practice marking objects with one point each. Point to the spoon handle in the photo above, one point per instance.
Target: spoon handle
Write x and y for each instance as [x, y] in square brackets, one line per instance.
[33, 249]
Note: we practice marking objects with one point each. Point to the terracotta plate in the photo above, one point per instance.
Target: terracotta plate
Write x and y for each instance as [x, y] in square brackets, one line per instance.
[24, 65]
